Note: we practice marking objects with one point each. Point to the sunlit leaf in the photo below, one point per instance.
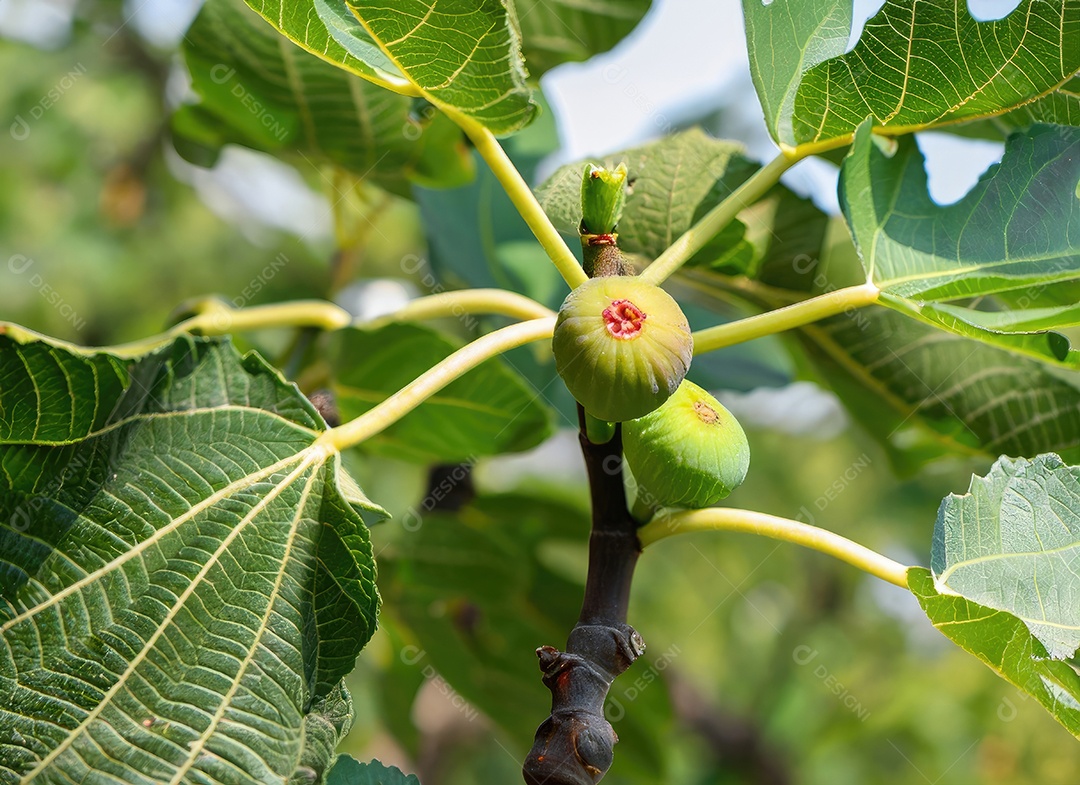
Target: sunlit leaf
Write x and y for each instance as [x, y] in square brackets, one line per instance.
[185, 574]
[563, 31]
[1018, 229]
[917, 64]
[258, 90]
[1012, 542]
[1006, 645]
[785, 39]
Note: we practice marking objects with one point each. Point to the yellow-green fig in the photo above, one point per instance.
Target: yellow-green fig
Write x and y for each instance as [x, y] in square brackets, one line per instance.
[691, 452]
[622, 346]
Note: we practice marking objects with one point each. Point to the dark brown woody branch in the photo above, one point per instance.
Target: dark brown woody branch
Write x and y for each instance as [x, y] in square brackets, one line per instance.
[574, 745]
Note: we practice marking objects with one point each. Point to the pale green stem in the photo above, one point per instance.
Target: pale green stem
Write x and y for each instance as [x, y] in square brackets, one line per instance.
[727, 519]
[431, 381]
[523, 198]
[787, 318]
[710, 225]
[598, 431]
[217, 318]
[468, 301]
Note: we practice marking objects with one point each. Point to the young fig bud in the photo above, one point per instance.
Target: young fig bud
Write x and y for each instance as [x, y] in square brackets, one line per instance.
[691, 452]
[603, 193]
[622, 346]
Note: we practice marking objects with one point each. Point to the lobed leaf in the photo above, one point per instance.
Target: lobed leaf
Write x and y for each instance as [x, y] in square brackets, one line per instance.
[1005, 645]
[1012, 543]
[185, 576]
[463, 55]
[918, 63]
[785, 39]
[563, 31]
[1018, 229]
[257, 90]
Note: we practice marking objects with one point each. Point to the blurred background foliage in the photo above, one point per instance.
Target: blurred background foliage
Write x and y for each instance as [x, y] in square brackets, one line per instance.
[766, 664]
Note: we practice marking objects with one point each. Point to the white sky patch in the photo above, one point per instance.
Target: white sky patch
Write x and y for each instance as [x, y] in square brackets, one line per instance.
[954, 164]
[251, 189]
[45, 24]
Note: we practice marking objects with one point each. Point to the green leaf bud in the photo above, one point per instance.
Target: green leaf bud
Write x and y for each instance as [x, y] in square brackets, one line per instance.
[603, 193]
[622, 346]
[691, 452]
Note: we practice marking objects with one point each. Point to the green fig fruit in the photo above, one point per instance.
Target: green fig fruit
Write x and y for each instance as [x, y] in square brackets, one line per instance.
[622, 346]
[691, 452]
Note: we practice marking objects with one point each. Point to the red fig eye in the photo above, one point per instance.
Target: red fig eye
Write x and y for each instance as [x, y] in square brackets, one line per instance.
[623, 319]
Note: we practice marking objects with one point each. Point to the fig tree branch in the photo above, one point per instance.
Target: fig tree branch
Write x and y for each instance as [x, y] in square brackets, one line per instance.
[823, 540]
[574, 745]
[467, 301]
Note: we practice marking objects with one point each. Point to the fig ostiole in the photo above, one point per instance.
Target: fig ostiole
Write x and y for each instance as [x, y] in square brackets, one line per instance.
[622, 346]
[690, 452]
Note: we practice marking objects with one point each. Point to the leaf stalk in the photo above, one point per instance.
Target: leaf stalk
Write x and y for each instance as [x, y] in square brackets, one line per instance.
[786, 318]
[434, 379]
[523, 198]
[813, 537]
[695, 238]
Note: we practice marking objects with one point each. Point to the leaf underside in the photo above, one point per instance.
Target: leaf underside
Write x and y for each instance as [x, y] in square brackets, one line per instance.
[258, 90]
[183, 580]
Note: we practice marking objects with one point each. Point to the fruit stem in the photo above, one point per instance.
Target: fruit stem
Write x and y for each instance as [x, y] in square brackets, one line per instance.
[696, 237]
[598, 431]
[823, 540]
[523, 198]
[434, 379]
[574, 744]
[786, 318]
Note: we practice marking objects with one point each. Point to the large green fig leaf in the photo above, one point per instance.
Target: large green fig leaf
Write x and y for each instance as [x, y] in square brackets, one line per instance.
[488, 411]
[461, 55]
[1061, 107]
[186, 573]
[918, 63]
[785, 39]
[1005, 644]
[924, 393]
[1012, 542]
[257, 90]
[1018, 229]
